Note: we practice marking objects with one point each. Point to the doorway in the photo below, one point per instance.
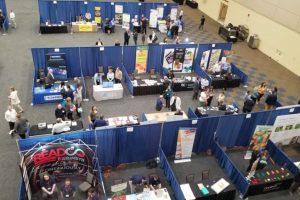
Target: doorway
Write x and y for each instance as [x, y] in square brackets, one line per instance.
[223, 12]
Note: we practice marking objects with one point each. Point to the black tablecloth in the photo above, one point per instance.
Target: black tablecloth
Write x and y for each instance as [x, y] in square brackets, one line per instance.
[209, 113]
[184, 86]
[53, 29]
[277, 179]
[221, 82]
[145, 90]
[227, 194]
[34, 130]
[191, 3]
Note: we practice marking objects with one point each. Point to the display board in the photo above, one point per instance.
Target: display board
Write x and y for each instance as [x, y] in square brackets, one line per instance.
[178, 59]
[119, 15]
[57, 63]
[214, 58]
[62, 160]
[168, 58]
[260, 137]
[204, 59]
[141, 59]
[173, 14]
[188, 60]
[286, 129]
[126, 21]
[153, 18]
[185, 141]
[160, 10]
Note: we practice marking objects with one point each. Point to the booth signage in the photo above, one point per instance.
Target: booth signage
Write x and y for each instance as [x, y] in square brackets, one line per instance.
[185, 141]
[141, 59]
[52, 97]
[188, 60]
[59, 159]
[85, 28]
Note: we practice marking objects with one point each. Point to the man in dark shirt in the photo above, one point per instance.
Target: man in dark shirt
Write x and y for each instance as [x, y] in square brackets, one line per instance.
[144, 24]
[271, 99]
[202, 21]
[67, 191]
[99, 122]
[294, 187]
[196, 89]
[92, 195]
[154, 182]
[70, 92]
[248, 105]
[60, 112]
[159, 103]
[138, 182]
[2, 19]
[21, 126]
[126, 37]
[48, 186]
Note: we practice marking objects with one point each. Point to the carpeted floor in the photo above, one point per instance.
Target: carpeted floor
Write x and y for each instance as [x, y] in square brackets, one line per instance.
[16, 69]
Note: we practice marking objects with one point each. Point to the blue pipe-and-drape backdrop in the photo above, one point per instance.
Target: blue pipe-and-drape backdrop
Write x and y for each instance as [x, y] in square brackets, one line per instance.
[4, 11]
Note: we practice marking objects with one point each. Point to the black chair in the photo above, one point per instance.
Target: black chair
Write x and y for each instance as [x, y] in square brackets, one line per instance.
[190, 178]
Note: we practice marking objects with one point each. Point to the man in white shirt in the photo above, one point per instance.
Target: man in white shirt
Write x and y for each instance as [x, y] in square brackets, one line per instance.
[60, 126]
[98, 78]
[110, 75]
[12, 18]
[88, 16]
[203, 98]
[10, 117]
[175, 102]
[204, 83]
[217, 68]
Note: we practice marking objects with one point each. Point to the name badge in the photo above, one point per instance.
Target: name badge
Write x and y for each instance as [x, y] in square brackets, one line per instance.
[49, 189]
[67, 195]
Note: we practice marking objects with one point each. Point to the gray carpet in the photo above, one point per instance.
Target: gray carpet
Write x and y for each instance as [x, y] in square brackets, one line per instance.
[16, 69]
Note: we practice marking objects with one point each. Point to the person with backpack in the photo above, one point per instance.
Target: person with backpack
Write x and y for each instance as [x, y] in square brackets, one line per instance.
[167, 96]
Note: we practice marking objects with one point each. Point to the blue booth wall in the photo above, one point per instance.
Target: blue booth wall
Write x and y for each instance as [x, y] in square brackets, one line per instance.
[67, 11]
[4, 11]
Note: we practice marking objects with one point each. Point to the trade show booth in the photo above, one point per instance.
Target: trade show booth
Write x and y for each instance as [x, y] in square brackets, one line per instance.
[4, 11]
[211, 135]
[87, 16]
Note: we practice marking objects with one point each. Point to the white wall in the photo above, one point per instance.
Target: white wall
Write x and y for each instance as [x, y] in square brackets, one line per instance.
[280, 43]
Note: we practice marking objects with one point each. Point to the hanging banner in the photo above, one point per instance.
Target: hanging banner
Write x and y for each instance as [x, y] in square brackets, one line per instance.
[61, 160]
[173, 14]
[214, 58]
[98, 15]
[168, 59]
[126, 21]
[204, 59]
[141, 59]
[119, 14]
[286, 129]
[178, 59]
[185, 141]
[188, 60]
[160, 11]
[260, 137]
[153, 18]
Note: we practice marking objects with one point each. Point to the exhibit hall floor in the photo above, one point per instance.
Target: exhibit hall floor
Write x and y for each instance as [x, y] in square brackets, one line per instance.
[16, 69]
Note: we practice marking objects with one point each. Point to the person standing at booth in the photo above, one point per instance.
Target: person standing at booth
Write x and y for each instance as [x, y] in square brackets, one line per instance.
[92, 195]
[67, 191]
[14, 99]
[175, 102]
[167, 96]
[98, 78]
[10, 117]
[2, 19]
[126, 37]
[93, 115]
[135, 36]
[196, 89]
[60, 112]
[110, 75]
[159, 104]
[12, 19]
[88, 16]
[21, 126]
[144, 21]
[48, 186]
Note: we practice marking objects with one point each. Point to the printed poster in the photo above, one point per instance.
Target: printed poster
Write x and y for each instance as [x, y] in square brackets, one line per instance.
[126, 21]
[160, 10]
[185, 141]
[260, 137]
[119, 14]
[153, 18]
[173, 14]
[188, 60]
[204, 59]
[141, 59]
[98, 15]
[168, 58]
[179, 55]
[286, 129]
[214, 58]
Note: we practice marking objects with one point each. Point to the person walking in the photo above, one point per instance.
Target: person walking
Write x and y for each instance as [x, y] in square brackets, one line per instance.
[196, 88]
[10, 117]
[143, 38]
[271, 99]
[21, 126]
[14, 99]
[126, 37]
[180, 15]
[78, 100]
[261, 90]
[202, 21]
[12, 18]
[2, 19]
[135, 37]
[296, 184]
[167, 96]
[175, 102]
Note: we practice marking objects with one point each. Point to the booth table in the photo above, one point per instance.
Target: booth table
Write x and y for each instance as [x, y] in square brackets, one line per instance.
[53, 28]
[123, 121]
[222, 82]
[141, 88]
[153, 195]
[100, 93]
[164, 116]
[191, 3]
[230, 35]
[182, 85]
[35, 131]
[84, 27]
[227, 194]
[269, 180]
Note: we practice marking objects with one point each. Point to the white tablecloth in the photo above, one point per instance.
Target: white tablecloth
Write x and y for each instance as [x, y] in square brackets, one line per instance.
[164, 195]
[100, 93]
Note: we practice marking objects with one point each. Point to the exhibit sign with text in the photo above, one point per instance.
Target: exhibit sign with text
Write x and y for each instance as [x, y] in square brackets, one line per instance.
[61, 160]
[214, 58]
[168, 59]
[153, 18]
[286, 129]
[204, 59]
[141, 59]
[178, 59]
[188, 60]
[126, 21]
[185, 141]
[119, 14]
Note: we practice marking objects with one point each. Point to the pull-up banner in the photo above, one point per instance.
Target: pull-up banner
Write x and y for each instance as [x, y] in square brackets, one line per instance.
[141, 59]
[185, 141]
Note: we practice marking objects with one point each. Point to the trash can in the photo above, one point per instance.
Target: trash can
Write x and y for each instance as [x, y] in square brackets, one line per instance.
[254, 41]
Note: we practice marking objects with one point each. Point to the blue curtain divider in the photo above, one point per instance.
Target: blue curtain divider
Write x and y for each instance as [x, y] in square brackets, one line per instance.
[281, 158]
[22, 190]
[99, 174]
[235, 70]
[164, 164]
[232, 171]
[4, 11]
[191, 114]
[127, 80]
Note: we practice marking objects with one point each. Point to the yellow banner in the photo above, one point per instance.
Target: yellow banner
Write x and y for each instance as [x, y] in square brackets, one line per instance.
[141, 59]
[85, 28]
